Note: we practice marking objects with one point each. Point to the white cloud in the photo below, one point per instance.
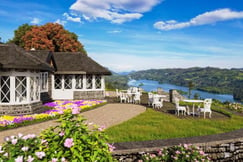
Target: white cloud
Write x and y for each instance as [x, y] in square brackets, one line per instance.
[70, 18]
[35, 21]
[202, 19]
[114, 31]
[62, 22]
[112, 10]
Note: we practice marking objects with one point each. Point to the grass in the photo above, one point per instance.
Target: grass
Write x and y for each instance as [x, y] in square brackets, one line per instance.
[152, 125]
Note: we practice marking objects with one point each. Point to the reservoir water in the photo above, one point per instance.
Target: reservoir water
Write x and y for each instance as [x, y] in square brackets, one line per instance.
[150, 85]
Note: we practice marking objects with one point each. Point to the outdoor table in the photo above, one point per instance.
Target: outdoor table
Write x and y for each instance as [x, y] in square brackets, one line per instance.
[193, 101]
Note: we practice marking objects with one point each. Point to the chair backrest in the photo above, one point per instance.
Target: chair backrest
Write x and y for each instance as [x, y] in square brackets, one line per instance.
[123, 95]
[117, 92]
[150, 95]
[156, 98]
[177, 102]
[207, 103]
[137, 96]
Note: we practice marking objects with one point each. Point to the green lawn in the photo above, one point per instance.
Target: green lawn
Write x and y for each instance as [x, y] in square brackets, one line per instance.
[152, 125]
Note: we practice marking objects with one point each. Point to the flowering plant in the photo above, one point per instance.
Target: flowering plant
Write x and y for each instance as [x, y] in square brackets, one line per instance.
[180, 153]
[54, 109]
[72, 140]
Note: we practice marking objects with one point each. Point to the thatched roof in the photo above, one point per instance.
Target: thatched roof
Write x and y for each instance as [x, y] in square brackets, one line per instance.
[14, 57]
[77, 63]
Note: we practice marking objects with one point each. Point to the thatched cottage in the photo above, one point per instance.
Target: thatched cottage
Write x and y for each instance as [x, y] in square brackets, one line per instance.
[29, 79]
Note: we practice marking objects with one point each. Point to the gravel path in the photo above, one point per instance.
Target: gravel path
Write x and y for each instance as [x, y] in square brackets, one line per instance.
[107, 115]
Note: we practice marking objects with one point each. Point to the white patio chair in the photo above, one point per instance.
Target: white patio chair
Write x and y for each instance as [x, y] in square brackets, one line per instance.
[157, 102]
[150, 98]
[123, 97]
[136, 98]
[206, 108]
[117, 93]
[179, 108]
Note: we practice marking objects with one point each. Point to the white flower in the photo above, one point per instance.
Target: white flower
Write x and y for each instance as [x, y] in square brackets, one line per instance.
[19, 159]
[40, 155]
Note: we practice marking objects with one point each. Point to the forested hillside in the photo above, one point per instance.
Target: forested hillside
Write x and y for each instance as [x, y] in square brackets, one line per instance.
[228, 81]
[116, 81]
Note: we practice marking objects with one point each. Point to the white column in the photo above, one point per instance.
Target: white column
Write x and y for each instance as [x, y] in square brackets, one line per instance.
[28, 89]
[12, 89]
[73, 82]
[84, 81]
[103, 82]
[93, 82]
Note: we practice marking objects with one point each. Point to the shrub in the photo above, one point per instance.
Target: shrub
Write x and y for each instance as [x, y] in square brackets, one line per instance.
[72, 140]
[181, 153]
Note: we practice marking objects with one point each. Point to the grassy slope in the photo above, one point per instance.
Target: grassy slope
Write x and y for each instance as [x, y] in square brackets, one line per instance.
[152, 125]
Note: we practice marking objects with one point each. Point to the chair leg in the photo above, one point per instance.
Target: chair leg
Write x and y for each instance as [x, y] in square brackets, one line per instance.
[204, 115]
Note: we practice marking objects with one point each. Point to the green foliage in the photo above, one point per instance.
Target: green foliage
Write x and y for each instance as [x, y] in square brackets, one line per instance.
[116, 81]
[181, 153]
[72, 140]
[208, 79]
[19, 33]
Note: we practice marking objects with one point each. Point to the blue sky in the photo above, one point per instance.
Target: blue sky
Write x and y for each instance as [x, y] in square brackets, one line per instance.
[126, 35]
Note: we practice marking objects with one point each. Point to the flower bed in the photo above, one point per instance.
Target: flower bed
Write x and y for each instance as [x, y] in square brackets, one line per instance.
[57, 108]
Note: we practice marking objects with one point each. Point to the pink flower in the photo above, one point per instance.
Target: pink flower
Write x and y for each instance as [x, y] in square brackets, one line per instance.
[101, 128]
[54, 160]
[111, 147]
[68, 143]
[186, 146]
[75, 110]
[61, 133]
[24, 148]
[19, 159]
[177, 152]
[14, 141]
[201, 152]
[30, 159]
[40, 155]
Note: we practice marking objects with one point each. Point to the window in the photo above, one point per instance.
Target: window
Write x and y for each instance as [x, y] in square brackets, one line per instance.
[89, 80]
[5, 89]
[98, 82]
[58, 82]
[20, 89]
[68, 81]
[44, 81]
[78, 81]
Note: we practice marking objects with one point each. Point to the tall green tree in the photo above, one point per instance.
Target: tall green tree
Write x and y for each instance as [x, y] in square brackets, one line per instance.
[190, 87]
[19, 33]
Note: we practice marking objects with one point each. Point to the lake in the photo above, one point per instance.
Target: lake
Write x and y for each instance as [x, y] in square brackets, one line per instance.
[150, 85]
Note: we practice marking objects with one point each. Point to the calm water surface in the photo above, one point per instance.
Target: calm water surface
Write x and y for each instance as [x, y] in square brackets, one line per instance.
[150, 85]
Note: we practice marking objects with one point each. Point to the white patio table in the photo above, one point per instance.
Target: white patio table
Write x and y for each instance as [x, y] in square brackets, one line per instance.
[193, 101]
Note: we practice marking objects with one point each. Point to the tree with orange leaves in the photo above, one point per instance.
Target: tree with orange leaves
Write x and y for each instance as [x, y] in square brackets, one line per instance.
[51, 36]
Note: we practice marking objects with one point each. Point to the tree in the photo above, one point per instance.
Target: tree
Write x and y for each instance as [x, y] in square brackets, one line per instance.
[190, 86]
[19, 33]
[51, 36]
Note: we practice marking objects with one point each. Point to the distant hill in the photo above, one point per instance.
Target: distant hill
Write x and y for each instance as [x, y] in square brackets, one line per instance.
[227, 81]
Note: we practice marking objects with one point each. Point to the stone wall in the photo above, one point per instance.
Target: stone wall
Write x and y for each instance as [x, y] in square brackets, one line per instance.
[218, 151]
[21, 109]
[85, 95]
[174, 94]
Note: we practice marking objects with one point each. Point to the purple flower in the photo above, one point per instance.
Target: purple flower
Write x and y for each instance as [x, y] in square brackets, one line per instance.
[68, 143]
[111, 147]
[101, 128]
[40, 155]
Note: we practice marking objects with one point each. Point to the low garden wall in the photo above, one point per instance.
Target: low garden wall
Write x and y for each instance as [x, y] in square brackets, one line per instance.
[219, 151]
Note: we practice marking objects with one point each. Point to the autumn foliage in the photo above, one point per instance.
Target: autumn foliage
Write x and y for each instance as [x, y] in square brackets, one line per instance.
[51, 36]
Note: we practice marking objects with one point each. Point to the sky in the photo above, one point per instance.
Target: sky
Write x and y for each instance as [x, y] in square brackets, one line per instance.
[126, 35]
